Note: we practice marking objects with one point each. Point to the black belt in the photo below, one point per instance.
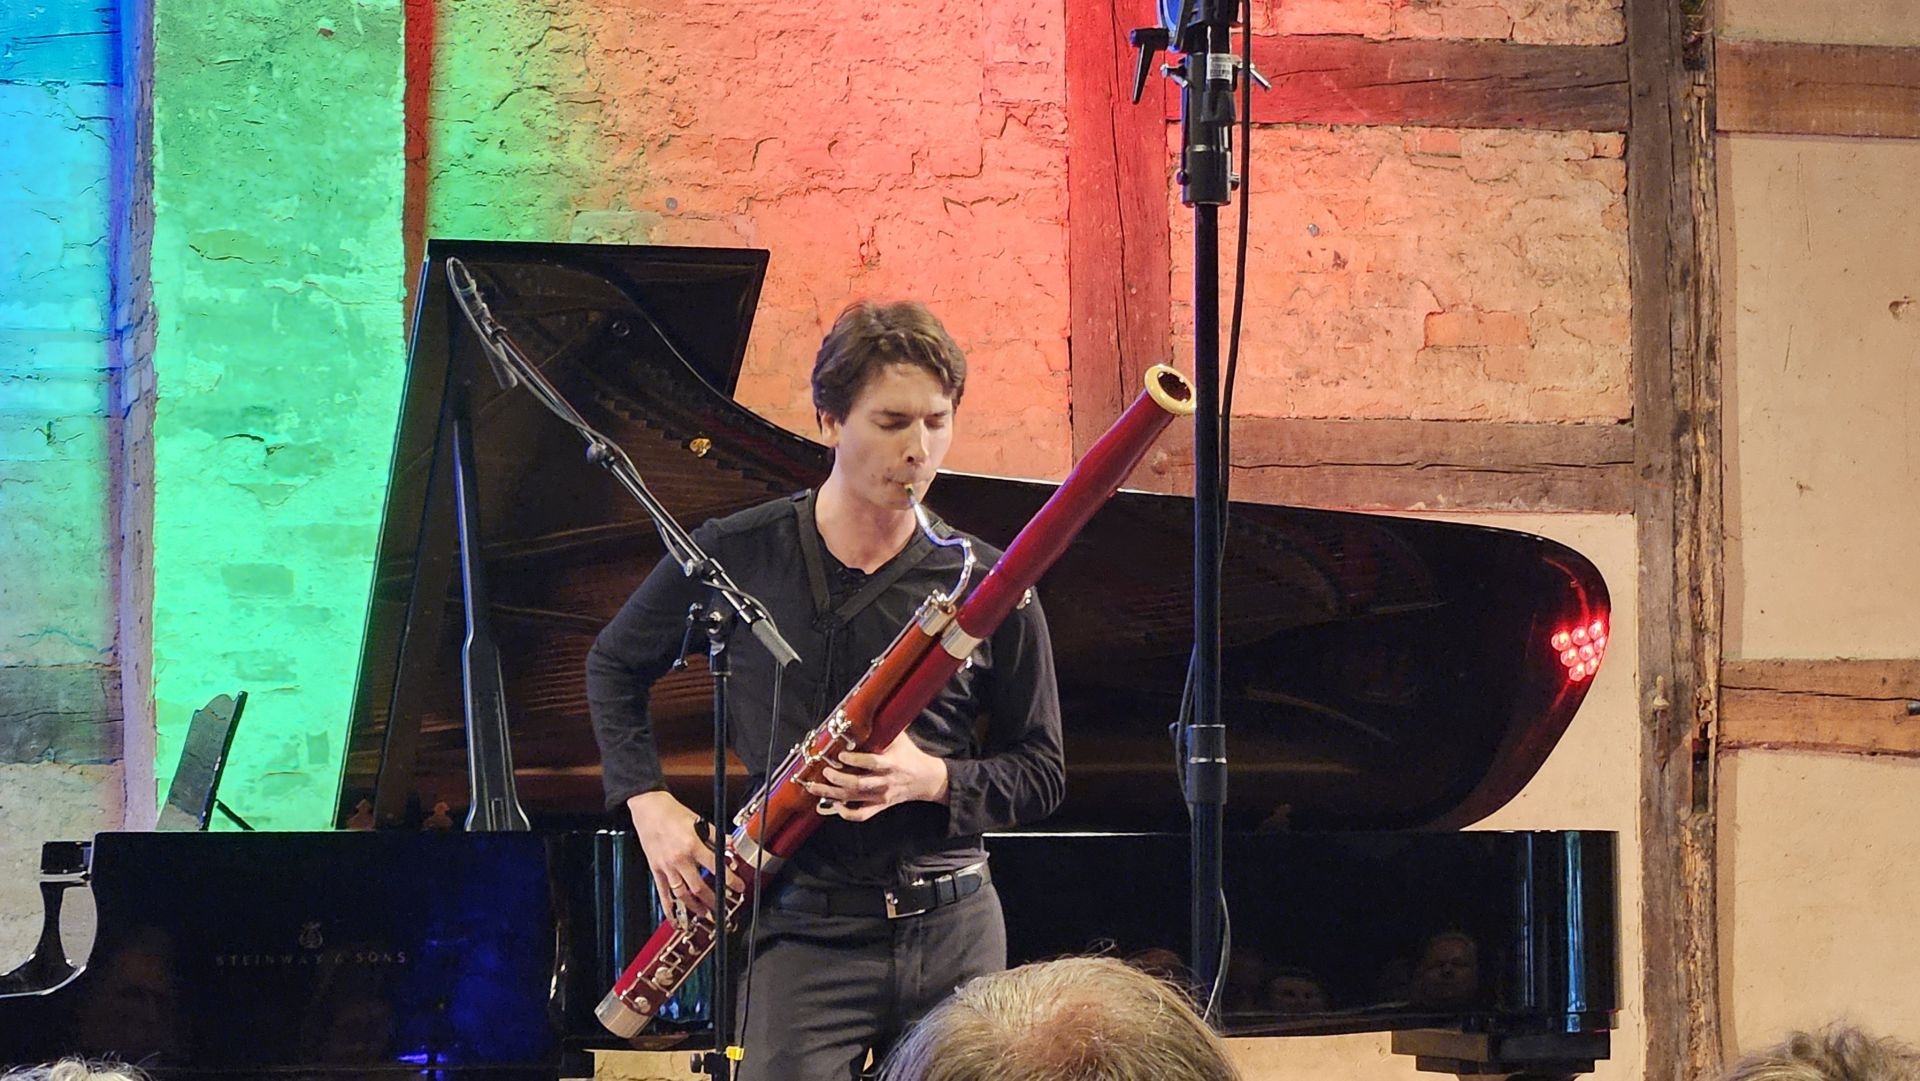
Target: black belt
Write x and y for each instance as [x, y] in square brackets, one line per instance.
[911, 899]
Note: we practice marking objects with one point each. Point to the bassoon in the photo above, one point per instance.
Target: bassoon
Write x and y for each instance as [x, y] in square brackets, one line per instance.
[927, 653]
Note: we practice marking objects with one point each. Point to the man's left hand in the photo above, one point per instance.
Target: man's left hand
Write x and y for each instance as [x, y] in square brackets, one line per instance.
[866, 784]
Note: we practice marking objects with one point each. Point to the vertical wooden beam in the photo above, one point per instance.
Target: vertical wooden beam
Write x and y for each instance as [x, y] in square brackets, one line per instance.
[135, 397]
[416, 109]
[1118, 246]
[1676, 428]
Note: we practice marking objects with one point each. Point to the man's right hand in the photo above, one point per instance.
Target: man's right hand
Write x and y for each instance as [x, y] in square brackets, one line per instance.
[670, 836]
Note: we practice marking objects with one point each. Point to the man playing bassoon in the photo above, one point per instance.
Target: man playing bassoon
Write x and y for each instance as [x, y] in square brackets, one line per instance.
[889, 905]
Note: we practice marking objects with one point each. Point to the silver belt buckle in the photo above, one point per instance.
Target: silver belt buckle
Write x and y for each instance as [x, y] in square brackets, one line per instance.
[893, 905]
[895, 912]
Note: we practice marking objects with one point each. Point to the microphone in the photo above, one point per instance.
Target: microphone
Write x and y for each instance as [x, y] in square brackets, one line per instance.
[473, 303]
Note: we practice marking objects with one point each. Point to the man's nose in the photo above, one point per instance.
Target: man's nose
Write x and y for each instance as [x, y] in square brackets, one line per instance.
[917, 443]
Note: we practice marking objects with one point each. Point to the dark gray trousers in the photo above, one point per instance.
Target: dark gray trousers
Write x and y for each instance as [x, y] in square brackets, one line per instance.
[829, 989]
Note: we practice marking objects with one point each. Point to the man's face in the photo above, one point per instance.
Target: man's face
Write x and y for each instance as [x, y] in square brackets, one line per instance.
[896, 433]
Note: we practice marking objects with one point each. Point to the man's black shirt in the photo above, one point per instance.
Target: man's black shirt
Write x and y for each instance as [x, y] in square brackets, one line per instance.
[997, 723]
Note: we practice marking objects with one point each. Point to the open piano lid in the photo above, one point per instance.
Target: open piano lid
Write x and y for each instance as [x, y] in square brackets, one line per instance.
[1378, 672]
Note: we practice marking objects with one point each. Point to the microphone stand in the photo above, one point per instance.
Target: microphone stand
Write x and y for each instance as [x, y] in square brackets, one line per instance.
[733, 606]
[719, 624]
[1202, 33]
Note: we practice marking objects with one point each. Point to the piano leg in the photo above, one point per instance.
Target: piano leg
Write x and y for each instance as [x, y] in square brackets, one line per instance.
[1545, 1056]
[63, 865]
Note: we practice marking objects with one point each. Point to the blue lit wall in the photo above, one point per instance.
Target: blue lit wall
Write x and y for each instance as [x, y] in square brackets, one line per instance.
[58, 96]
[62, 750]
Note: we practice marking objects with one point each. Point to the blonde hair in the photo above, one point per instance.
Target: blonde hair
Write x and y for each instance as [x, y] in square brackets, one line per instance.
[76, 1069]
[1838, 1053]
[1075, 1019]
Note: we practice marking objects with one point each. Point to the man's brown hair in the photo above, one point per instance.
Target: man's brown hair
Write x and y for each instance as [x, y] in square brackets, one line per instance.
[868, 336]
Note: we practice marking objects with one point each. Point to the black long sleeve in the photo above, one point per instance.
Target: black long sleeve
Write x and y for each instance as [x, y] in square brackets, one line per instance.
[634, 651]
[1012, 774]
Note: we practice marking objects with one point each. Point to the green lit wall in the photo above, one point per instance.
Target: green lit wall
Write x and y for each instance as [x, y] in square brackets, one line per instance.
[278, 284]
[516, 143]
[281, 174]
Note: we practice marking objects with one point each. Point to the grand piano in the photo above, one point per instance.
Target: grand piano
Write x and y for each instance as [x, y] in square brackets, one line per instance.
[1386, 682]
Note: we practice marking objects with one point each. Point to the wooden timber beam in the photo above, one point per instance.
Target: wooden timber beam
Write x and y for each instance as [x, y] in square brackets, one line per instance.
[1677, 516]
[1791, 88]
[1417, 464]
[1338, 79]
[1859, 706]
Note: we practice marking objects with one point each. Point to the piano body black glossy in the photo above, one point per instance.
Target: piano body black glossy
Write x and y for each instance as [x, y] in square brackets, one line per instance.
[1385, 681]
[245, 954]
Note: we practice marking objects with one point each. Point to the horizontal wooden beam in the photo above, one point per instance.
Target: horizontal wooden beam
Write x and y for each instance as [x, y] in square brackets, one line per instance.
[1791, 88]
[1337, 79]
[58, 43]
[1416, 465]
[67, 713]
[1821, 705]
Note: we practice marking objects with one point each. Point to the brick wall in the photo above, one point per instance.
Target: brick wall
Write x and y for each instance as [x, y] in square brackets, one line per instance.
[60, 739]
[1429, 273]
[912, 150]
[278, 285]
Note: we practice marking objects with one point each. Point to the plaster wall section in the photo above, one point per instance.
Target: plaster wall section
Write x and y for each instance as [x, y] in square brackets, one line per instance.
[890, 152]
[1818, 886]
[1427, 273]
[1821, 339]
[277, 280]
[1865, 22]
[1820, 332]
[60, 729]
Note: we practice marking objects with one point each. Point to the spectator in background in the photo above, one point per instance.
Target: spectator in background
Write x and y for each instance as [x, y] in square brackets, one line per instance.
[1294, 991]
[1447, 976]
[1074, 1019]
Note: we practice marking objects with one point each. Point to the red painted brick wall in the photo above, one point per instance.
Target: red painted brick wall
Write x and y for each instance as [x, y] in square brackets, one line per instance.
[882, 150]
[1431, 274]
[920, 150]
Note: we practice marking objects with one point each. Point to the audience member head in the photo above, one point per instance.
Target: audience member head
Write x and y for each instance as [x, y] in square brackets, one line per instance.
[1075, 1019]
[1248, 972]
[1840, 1053]
[1296, 991]
[132, 1008]
[1448, 971]
[75, 1069]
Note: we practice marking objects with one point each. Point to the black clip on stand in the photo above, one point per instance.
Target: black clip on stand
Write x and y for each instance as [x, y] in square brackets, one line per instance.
[731, 605]
[1201, 32]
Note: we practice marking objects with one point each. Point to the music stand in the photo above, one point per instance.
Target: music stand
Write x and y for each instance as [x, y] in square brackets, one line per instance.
[194, 794]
